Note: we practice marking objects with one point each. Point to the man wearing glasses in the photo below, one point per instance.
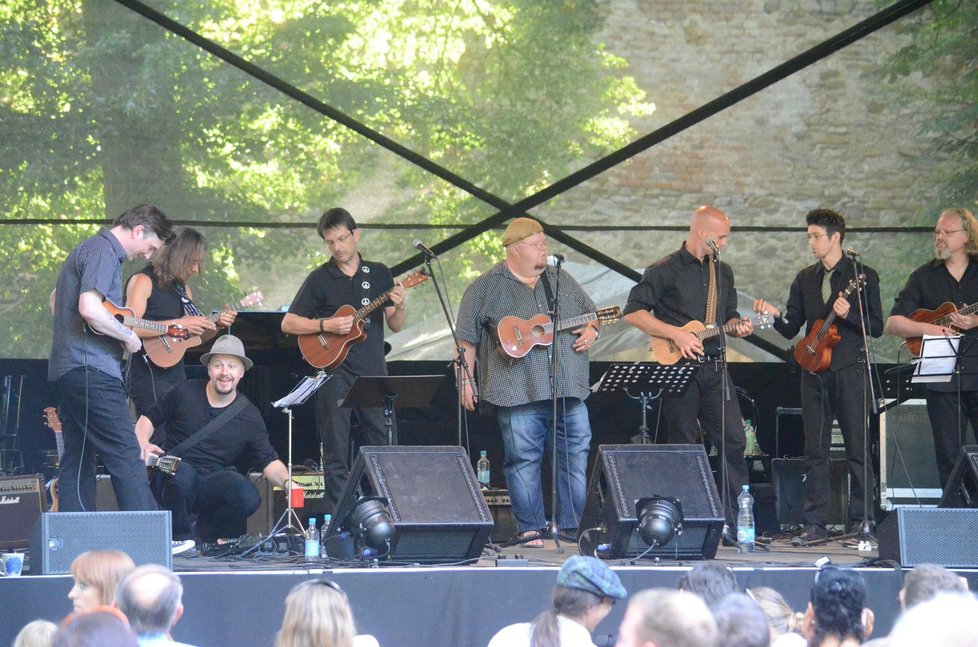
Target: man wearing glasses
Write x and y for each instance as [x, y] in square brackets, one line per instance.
[952, 277]
[345, 279]
[524, 286]
[839, 390]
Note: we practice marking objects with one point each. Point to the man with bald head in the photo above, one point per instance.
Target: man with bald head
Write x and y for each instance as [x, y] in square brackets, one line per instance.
[151, 596]
[673, 292]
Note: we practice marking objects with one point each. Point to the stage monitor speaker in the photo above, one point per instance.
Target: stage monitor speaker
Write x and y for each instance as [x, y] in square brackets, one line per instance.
[912, 536]
[21, 501]
[436, 506]
[59, 537]
[962, 485]
[623, 474]
[908, 471]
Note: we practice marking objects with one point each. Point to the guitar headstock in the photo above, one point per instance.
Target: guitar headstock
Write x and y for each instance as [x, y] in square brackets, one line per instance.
[411, 280]
[253, 299]
[858, 281]
[51, 419]
[610, 314]
[763, 320]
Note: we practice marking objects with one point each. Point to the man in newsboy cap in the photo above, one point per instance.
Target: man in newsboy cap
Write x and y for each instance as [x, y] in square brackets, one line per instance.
[585, 591]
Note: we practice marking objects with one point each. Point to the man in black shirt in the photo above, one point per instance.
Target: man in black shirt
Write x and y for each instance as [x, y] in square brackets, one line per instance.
[676, 289]
[840, 390]
[346, 279]
[209, 480]
[952, 277]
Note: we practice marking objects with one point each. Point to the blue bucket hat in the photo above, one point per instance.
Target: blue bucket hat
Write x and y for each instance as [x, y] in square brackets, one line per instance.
[591, 575]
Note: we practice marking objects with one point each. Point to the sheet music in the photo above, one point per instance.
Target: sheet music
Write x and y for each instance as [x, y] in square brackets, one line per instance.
[938, 357]
[302, 391]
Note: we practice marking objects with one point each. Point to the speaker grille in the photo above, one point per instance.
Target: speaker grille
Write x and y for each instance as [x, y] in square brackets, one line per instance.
[942, 536]
[60, 537]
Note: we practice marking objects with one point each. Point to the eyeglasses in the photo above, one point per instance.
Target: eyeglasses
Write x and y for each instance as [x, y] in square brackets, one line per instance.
[538, 245]
[944, 233]
[327, 583]
[811, 237]
[341, 239]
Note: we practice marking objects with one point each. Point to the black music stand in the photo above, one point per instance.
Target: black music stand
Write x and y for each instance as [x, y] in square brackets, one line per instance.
[651, 380]
[391, 391]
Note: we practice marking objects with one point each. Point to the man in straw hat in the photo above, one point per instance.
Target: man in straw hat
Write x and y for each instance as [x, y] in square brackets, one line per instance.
[523, 286]
[209, 480]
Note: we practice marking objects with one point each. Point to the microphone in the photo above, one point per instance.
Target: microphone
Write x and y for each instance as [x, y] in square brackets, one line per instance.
[556, 259]
[712, 244]
[418, 245]
[851, 252]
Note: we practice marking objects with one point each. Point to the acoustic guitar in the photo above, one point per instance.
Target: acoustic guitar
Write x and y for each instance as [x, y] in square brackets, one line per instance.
[814, 352]
[517, 337]
[939, 317]
[328, 350]
[127, 317]
[52, 420]
[166, 351]
[665, 350]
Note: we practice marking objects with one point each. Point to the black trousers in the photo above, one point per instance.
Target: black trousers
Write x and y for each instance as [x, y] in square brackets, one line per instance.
[949, 422]
[842, 395]
[222, 501]
[334, 424]
[702, 405]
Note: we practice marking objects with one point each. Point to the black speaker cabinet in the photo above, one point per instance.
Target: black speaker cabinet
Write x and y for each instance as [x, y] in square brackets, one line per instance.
[912, 536]
[789, 490]
[59, 537]
[623, 474]
[962, 485]
[908, 470]
[434, 501]
[21, 500]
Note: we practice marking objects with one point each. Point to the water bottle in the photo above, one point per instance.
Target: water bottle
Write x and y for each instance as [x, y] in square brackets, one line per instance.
[312, 540]
[482, 469]
[745, 521]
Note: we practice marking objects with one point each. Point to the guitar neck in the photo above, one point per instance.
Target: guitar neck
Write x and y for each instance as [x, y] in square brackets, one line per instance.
[727, 328]
[575, 322]
[965, 310]
[365, 311]
[240, 305]
[145, 324]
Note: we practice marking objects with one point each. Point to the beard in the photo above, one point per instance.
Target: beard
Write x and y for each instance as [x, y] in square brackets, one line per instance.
[942, 253]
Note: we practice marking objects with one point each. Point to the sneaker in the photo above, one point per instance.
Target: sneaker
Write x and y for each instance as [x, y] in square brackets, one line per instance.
[180, 546]
[811, 533]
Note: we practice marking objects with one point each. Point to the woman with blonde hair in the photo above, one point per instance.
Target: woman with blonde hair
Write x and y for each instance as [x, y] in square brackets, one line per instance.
[784, 623]
[37, 633]
[97, 573]
[318, 614]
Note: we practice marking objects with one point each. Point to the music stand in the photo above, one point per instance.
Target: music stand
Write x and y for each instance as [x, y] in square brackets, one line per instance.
[391, 391]
[938, 359]
[653, 381]
[299, 394]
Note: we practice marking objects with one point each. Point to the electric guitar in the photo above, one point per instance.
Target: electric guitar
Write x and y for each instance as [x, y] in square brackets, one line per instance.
[166, 351]
[666, 352]
[328, 350]
[127, 317]
[939, 317]
[51, 420]
[814, 352]
[517, 337]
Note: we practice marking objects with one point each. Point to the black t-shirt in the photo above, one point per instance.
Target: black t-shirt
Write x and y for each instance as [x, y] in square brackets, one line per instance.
[242, 442]
[327, 288]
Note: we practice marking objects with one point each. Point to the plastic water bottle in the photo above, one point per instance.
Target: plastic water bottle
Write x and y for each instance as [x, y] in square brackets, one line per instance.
[312, 540]
[482, 469]
[745, 521]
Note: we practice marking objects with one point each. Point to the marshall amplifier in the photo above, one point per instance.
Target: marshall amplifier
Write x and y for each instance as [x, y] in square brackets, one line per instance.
[21, 501]
[273, 503]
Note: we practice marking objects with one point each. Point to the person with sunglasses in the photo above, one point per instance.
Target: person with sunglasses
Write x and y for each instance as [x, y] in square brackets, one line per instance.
[317, 612]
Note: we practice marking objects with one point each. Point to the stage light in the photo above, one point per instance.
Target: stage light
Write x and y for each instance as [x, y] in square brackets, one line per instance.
[660, 519]
[371, 523]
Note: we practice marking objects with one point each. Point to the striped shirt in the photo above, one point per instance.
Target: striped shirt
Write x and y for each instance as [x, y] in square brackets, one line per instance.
[508, 382]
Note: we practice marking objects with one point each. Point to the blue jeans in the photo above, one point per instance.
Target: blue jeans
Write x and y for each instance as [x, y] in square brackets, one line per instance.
[526, 431]
[96, 420]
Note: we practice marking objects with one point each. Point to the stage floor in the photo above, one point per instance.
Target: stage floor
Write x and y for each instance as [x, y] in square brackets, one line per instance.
[239, 601]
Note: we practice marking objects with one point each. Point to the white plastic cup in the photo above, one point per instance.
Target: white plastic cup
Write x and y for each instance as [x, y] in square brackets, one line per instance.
[13, 564]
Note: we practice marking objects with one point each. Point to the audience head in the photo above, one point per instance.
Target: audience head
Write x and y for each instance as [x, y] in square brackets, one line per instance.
[667, 618]
[709, 580]
[151, 596]
[740, 622]
[781, 618]
[97, 627]
[97, 573]
[37, 633]
[946, 620]
[927, 580]
[837, 608]
[317, 613]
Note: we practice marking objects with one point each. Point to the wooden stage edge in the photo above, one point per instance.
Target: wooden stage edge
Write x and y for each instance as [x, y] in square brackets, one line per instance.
[240, 602]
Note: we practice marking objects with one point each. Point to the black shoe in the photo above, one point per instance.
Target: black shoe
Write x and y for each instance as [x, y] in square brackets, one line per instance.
[811, 533]
[857, 527]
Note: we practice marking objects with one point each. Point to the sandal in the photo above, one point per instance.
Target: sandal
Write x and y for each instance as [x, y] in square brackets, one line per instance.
[531, 539]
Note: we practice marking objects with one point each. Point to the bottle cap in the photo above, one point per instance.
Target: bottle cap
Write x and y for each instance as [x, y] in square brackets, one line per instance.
[482, 453]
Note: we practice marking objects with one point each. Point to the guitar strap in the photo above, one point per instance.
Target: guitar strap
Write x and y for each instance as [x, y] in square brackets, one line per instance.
[208, 430]
[548, 291]
[189, 306]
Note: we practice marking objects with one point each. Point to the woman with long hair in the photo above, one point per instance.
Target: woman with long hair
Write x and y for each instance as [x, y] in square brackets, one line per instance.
[318, 614]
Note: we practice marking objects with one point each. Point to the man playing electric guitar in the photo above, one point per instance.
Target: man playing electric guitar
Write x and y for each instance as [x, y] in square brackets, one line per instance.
[346, 279]
[840, 391]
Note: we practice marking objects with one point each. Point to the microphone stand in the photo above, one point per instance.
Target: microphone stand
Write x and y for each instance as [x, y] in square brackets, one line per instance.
[724, 388]
[869, 394]
[460, 364]
[554, 365]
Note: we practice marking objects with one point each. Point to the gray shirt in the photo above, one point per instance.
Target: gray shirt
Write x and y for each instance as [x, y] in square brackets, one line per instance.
[96, 264]
[508, 382]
